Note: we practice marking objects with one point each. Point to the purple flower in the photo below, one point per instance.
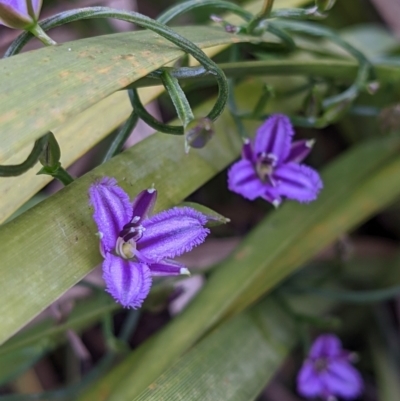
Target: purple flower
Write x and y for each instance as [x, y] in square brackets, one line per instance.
[19, 14]
[270, 167]
[136, 246]
[327, 372]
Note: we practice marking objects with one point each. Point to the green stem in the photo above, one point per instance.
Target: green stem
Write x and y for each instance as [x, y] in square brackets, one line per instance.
[41, 35]
[122, 136]
[178, 98]
[297, 13]
[232, 102]
[31, 160]
[359, 297]
[365, 67]
[186, 6]
[150, 120]
[63, 176]
[263, 14]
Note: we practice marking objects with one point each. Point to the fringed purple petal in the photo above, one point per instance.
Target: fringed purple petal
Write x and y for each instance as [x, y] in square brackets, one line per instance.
[171, 233]
[243, 179]
[326, 345]
[299, 151]
[274, 137]
[128, 282]
[247, 151]
[112, 210]
[342, 379]
[308, 382]
[298, 182]
[143, 204]
[168, 267]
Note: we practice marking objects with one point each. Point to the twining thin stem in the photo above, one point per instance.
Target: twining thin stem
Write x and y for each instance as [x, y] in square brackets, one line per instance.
[365, 67]
[359, 296]
[144, 22]
[232, 102]
[182, 8]
[150, 120]
[178, 98]
[297, 13]
[263, 14]
[267, 93]
[122, 136]
[31, 160]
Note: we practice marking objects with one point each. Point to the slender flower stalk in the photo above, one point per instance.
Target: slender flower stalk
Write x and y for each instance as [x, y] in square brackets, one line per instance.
[327, 372]
[270, 167]
[137, 247]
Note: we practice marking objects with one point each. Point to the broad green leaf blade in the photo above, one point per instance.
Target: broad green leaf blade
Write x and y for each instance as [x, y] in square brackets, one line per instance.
[386, 369]
[214, 218]
[24, 349]
[57, 83]
[235, 361]
[52, 246]
[357, 185]
[48, 331]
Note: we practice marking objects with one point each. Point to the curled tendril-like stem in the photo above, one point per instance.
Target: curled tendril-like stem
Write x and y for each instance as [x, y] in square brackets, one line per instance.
[31, 160]
[182, 8]
[150, 120]
[122, 136]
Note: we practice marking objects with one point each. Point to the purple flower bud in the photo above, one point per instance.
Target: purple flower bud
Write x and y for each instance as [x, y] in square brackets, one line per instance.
[198, 133]
[136, 246]
[19, 14]
[328, 373]
[270, 167]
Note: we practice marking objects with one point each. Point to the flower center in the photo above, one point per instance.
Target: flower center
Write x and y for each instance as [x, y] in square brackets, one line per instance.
[265, 167]
[128, 237]
[320, 364]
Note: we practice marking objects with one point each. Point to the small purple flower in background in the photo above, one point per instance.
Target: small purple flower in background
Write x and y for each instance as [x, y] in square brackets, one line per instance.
[135, 246]
[19, 14]
[270, 167]
[328, 373]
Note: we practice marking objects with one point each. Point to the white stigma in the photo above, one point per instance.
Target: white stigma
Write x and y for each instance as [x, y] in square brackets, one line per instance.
[135, 219]
[276, 203]
[151, 190]
[310, 143]
[100, 234]
[185, 271]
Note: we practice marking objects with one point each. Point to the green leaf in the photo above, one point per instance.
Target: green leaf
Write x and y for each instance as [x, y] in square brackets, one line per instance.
[24, 349]
[214, 218]
[386, 370]
[235, 361]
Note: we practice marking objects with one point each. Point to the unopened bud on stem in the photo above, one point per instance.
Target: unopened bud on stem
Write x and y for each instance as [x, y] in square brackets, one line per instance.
[198, 133]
